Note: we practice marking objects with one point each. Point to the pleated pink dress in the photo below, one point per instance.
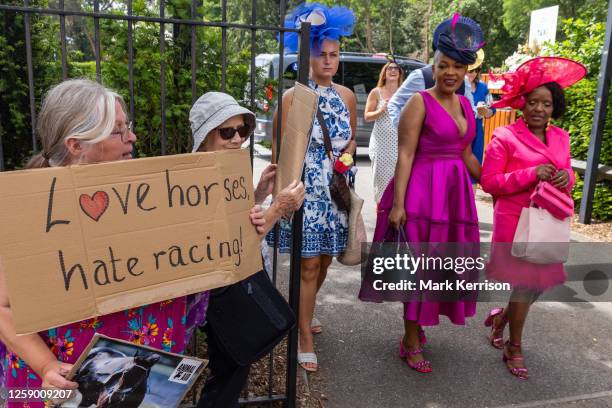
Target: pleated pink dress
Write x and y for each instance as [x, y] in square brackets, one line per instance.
[439, 203]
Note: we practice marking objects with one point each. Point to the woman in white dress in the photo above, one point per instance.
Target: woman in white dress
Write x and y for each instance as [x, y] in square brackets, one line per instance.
[383, 142]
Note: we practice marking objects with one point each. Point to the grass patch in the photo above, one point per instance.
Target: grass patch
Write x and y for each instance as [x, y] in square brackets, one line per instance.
[266, 143]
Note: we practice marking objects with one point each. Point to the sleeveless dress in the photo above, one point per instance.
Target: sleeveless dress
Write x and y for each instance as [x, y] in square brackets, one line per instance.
[325, 228]
[160, 325]
[439, 203]
[383, 150]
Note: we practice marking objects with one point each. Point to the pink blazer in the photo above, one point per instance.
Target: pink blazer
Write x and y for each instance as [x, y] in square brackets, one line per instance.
[509, 170]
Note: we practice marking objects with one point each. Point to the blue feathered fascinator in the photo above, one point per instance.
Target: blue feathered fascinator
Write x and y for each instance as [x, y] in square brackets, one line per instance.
[327, 23]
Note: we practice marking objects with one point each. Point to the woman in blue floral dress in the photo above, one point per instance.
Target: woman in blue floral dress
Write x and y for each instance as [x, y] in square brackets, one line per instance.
[325, 228]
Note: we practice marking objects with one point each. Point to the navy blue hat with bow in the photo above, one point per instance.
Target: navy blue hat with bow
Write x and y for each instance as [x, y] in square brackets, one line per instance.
[459, 38]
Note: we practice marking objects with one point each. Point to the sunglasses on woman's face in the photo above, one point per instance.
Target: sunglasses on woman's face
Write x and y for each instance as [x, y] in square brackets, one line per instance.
[229, 132]
[396, 69]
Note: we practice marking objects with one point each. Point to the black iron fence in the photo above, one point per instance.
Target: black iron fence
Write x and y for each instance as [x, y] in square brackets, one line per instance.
[192, 23]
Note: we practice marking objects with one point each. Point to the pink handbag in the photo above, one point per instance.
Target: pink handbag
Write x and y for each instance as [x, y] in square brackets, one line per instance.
[540, 237]
[553, 200]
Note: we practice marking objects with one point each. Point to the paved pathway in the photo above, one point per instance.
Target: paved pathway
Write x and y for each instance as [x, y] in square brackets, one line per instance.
[568, 347]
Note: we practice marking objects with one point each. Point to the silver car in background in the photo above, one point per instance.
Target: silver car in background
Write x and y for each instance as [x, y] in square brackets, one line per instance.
[357, 71]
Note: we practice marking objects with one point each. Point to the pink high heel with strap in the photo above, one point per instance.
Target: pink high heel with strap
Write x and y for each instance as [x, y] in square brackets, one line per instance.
[496, 338]
[519, 372]
[423, 366]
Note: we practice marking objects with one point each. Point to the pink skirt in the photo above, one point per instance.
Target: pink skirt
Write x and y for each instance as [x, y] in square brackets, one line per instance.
[440, 208]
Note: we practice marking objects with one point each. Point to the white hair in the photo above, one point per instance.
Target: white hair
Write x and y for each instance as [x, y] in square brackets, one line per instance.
[74, 109]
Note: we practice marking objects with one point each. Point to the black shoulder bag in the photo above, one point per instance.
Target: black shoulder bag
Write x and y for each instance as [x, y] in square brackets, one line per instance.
[338, 189]
[249, 317]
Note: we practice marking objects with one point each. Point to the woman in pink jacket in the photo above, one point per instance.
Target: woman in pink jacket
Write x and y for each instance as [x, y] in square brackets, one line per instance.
[518, 157]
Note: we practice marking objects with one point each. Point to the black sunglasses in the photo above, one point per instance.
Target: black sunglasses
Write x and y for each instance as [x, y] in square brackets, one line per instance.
[229, 132]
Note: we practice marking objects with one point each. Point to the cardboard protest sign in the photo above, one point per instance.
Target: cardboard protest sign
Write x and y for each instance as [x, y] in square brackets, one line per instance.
[83, 241]
[296, 135]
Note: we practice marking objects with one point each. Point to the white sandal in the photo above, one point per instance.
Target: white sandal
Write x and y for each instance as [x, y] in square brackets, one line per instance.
[304, 358]
[315, 326]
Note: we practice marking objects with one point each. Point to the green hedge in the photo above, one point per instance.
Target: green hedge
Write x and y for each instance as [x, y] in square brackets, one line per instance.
[602, 202]
[584, 42]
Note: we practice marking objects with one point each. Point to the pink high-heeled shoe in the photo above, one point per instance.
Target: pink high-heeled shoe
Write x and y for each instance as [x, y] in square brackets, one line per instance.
[423, 366]
[496, 338]
[519, 372]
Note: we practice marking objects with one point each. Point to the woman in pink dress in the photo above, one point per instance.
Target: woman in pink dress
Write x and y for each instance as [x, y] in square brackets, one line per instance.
[518, 157]
[431, 195]
[82, 122]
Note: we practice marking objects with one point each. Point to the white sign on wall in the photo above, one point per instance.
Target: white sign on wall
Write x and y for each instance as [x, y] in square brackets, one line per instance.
[543, 26]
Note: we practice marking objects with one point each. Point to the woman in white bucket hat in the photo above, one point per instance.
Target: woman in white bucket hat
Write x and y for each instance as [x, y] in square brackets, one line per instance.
[218, 122]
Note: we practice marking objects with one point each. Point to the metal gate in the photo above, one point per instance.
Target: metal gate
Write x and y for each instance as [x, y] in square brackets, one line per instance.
[27, 11]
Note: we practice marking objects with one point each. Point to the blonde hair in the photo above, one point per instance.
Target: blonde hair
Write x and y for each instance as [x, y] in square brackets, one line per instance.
[382, 77]
[74, 109]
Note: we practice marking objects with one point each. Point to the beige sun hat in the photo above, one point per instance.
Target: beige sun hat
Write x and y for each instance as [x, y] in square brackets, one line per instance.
[210, 111]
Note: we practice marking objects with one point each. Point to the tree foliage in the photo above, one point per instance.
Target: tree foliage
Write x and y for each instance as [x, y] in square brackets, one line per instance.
[499, 42]
[584, 37]
[386, 26]
[15, 118]
[517, 13]
[15, 129]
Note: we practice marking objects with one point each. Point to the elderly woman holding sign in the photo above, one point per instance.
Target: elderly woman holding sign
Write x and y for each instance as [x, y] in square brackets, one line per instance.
[82, 122]
[219, 123]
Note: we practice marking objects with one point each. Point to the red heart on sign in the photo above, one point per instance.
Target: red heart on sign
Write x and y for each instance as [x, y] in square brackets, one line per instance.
[95, 205]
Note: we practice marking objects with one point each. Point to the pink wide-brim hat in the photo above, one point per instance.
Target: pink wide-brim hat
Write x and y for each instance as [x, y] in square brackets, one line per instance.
[535, 73]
